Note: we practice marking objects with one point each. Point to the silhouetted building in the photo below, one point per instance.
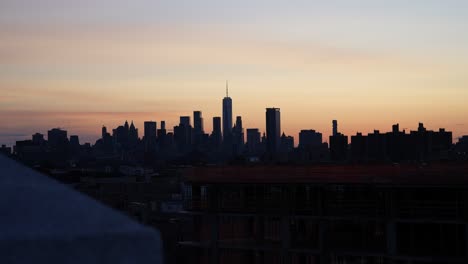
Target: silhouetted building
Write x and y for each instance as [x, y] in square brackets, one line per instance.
[57, 138]
[104, 147]
[198, 122]
[120, 135]
[183, 134]
[330, 215]
[198, 128]
[461, 147]
[216, 135]
[38, 139]
[397, 146]
[125, 138]
[376, 146]
[32, 153]
[150, 137]
[74, 145]
[338, 147]
[162, 135]
[253, 141]
[133, 136]
[185, 120]
[359, 148]
[103, 132]
[273, 130]
[311, 148]
[287, 144]
[227, 118]
[335, 127]
[238, 136]
[309, 138]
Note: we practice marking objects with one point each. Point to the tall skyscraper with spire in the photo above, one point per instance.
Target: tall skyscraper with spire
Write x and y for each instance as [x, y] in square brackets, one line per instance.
[227, 116]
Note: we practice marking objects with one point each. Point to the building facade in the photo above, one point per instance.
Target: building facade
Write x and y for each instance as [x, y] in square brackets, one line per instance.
[332, 215]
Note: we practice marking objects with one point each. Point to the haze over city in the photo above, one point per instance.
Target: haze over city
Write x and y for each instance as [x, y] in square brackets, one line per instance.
[81, 65]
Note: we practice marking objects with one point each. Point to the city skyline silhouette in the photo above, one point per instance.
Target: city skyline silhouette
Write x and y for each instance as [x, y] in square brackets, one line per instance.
[227, 132]
[92, 131]
[78, 65]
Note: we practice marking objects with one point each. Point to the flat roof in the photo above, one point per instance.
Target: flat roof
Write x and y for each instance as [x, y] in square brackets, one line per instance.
[384, 174]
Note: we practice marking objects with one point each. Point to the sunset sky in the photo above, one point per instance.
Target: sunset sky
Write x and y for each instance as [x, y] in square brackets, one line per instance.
[370, 63]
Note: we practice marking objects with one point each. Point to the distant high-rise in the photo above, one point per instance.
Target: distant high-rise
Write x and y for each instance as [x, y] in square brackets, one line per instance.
[239, 122]
[150, 135]
[216, 135]
[133, 135]
[309, 138]
[57, 137]
[239, 130]
[162, 135]
[183, 133]
[198, 123]
[74, 146]
[335, 128]
[273, 129]
[227, 115]
[103, 131]
[185, 120]
[198, 130]
[338, 147]
[238, 136]
[253, 140]
[287, 143]
[38, 139]
[150, 130]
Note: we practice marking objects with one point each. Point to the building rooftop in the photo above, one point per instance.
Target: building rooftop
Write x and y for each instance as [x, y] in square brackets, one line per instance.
[43, 221]
[449, 174]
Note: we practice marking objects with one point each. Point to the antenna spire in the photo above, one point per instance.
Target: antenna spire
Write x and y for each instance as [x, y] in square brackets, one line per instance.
[227, 89]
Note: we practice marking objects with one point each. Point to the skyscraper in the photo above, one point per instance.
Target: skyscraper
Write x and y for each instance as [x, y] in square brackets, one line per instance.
[338, 147]
[57, 137]
[198, 123]
[38, 139]
[197, 128]
[183, 134]
[253, 140]
[309, 138]
[238, 136]
[335, 128]
[227, 115]
[162, 135]
[273, 129]
[133, 135]
[150, 135]
[103, 131]
[185, 120]
[150, 130]
[216, 136]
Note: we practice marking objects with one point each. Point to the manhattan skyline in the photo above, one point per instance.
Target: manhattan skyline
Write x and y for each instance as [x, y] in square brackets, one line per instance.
[368, 65]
